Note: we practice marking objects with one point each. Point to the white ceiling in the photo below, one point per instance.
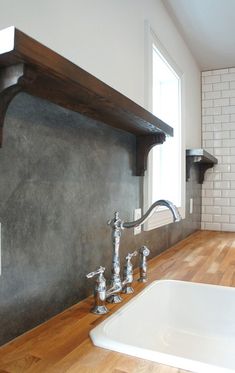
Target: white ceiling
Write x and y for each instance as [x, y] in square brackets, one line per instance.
[208, 27]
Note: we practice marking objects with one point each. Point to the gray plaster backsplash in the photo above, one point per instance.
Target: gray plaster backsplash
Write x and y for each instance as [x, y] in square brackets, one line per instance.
[62, 178]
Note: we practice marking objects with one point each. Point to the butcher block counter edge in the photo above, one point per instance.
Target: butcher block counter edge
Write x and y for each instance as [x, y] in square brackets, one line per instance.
[62, 344]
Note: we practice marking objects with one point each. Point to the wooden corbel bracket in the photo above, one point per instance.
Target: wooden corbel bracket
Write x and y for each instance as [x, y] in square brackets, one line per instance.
[9, 87]
[13, 79]
[143, 146]
[203, 167]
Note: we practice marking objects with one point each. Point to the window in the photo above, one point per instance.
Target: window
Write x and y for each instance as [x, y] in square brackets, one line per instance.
[165, 176]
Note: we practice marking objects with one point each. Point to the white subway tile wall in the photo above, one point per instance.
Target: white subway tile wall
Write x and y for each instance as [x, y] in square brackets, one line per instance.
[218, 138]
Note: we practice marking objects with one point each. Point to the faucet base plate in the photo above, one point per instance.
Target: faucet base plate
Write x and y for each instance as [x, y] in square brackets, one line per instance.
[128, 290]
[142, 279]
[114, 298]
[100, 310]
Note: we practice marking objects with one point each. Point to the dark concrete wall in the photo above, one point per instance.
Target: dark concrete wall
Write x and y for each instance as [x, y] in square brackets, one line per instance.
[62, 177]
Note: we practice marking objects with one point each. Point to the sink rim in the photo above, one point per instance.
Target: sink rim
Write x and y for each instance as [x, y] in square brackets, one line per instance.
[99, 336]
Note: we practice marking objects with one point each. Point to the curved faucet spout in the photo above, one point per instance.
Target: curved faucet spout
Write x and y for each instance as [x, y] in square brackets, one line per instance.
[150, 211]
[117, 225]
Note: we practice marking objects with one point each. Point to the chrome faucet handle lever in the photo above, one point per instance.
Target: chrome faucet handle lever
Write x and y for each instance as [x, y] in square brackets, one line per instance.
[100, 270]
[99, 307]
[128, 274]
[143, 252]
[130, 255]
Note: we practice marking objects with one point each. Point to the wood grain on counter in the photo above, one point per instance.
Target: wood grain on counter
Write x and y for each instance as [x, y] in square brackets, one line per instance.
[62, 344]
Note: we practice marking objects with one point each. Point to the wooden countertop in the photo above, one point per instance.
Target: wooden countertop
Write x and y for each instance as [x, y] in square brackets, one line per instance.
[62, 344]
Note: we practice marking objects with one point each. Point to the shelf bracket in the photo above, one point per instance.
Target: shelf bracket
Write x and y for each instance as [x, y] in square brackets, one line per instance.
[202, 169]
[202, 159]
[12, 81]
[143, 146]
[9, 87]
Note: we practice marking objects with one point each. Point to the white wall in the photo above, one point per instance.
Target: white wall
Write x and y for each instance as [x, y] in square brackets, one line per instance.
[218, 133]
[106, 38]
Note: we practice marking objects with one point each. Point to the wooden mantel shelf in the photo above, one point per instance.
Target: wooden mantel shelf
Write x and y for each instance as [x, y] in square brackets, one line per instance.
[26, 65]
[202, 158]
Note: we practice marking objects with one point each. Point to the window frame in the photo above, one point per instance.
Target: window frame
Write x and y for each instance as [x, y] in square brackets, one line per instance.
[161, 216]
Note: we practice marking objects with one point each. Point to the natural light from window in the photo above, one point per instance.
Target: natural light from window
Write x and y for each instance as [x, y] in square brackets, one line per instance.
[166, 159]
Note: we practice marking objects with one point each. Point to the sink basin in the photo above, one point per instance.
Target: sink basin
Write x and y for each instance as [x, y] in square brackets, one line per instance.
[183, 324]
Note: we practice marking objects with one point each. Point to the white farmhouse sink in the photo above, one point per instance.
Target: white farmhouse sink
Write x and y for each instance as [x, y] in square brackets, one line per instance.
[186, 325]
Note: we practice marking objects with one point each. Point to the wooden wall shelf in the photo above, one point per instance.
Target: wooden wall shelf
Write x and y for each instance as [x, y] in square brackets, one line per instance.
[26, 65]
[202, 158]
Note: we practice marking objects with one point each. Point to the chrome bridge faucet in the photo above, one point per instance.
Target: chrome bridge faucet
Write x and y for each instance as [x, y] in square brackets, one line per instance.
[112, 295]
[117, 226]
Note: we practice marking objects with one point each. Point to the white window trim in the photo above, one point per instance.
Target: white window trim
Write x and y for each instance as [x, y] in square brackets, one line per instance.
[161, 216]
